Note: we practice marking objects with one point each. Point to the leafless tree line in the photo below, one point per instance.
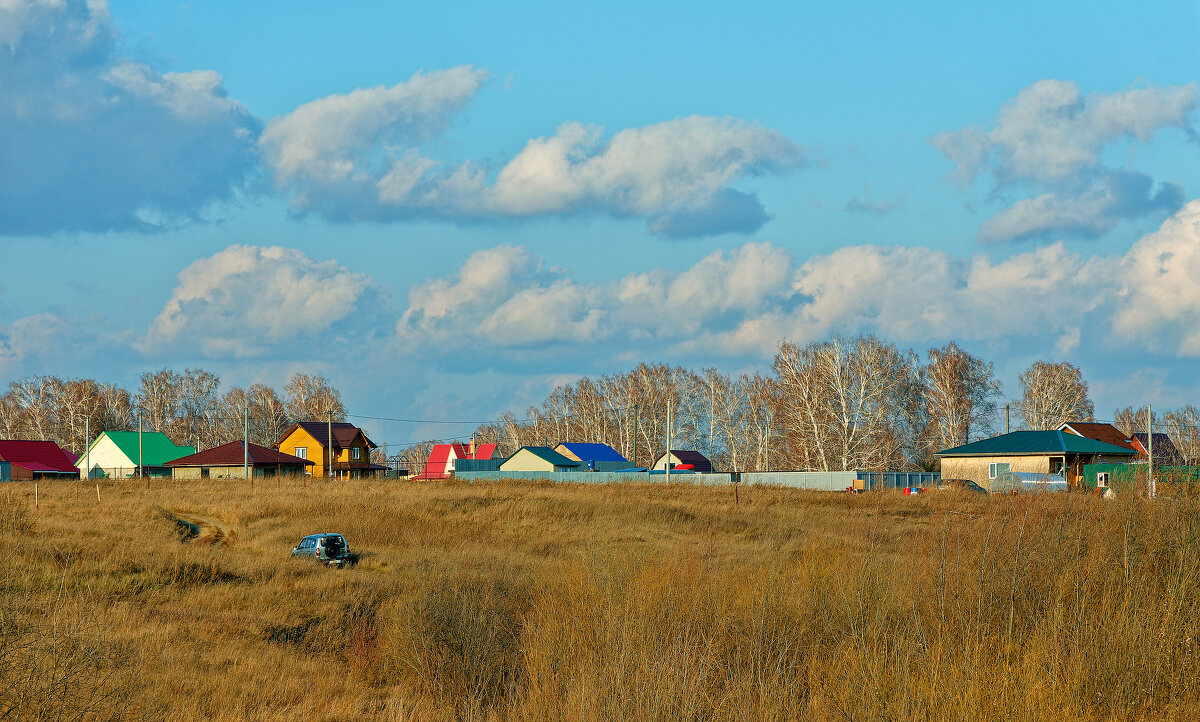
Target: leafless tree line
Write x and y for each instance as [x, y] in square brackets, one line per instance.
[187, 406]
[844, 403]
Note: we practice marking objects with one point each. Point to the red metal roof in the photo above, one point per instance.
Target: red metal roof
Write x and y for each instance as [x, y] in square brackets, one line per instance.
[435, 465]
[231, 455]
[441, 458]
[42, 456]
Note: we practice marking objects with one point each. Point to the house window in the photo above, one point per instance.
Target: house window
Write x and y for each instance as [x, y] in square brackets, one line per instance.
[357, 452]
[997, 468]
[1102, 479]
[302, 452]
[1057, 463]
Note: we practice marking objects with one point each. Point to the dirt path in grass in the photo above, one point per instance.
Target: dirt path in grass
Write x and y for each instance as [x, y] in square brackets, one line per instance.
[197, 529]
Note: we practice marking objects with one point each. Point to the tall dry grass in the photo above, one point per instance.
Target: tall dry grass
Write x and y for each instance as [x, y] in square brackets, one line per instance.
[514, 601]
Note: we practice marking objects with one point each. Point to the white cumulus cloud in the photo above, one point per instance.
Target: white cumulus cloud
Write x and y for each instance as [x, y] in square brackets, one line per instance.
[357, 157]
[246, 300]
[1051, 138]
[93, 142]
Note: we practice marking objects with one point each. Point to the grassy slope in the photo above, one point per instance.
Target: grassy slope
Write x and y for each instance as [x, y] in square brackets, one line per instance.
[517, 601]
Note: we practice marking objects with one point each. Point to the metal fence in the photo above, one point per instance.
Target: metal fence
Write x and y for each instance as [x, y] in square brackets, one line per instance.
[596, 477]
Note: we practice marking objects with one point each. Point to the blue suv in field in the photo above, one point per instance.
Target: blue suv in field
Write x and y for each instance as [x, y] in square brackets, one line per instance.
[325, 548]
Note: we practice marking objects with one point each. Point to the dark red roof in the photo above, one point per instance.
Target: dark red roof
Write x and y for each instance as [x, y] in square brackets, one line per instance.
[343, 433]
[41, 456]
[231, 454]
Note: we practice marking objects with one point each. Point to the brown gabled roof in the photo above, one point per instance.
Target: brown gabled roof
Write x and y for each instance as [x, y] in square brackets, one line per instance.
[343, 433]
[231, 454]
[1107, 433]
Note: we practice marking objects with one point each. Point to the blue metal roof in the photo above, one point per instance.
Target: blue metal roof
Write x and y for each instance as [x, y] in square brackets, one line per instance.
[593, 452]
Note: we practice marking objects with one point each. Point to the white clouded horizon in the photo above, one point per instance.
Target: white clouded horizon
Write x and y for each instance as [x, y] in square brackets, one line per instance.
[1051, 138]
[743, 302]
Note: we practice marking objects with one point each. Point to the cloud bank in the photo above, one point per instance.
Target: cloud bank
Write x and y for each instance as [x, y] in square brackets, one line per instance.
[1051, 138]
[92, 142]
[741, 303]
[355, 157]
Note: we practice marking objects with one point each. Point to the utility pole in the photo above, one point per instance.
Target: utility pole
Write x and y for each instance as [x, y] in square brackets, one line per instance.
[329, 418]
[87, 463]
[1150, 451]
[246, 441]
[1006, 406]
[712, 403]
[668, 463]
[140, 471]
[767, 441]
[635, 438]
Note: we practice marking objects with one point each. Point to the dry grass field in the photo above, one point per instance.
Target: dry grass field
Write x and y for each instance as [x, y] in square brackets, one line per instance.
[528, 602]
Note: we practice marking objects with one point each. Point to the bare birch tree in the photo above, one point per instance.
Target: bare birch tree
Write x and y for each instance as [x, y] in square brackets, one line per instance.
[1052, 394]
[960, 396]
[846, 401]
[313, 398]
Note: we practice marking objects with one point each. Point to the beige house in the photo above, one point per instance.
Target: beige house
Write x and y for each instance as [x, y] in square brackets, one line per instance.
[1036, 452]
[538, 458]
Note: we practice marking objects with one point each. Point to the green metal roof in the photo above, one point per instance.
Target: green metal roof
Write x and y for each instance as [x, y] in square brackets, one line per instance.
[1035, 442]
[157, 449]
[545, 453]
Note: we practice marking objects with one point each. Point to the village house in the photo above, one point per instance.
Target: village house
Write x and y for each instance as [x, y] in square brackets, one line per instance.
[443, 457]
[118, 454]
[229, 461]
[351, 448]
[685, 460]
[538, 458]
[29, 460]
[1037, 452]
[594, 457]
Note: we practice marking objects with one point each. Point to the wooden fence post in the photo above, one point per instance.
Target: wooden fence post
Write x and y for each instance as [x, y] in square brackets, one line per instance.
[97, 493]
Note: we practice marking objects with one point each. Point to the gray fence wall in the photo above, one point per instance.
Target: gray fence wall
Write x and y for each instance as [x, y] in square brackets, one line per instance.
[817, 480]
[594, 477]
[839, 480]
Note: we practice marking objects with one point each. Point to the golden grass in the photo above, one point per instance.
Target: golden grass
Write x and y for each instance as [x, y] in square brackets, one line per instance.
[515, 601]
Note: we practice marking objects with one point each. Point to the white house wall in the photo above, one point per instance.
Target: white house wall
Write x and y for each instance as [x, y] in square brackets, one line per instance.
[107, 456]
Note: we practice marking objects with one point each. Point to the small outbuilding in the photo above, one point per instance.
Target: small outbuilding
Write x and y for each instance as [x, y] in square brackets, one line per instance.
[1165, 453]
[227, 461]
[29, 460]
[538, 458]
[1035, 452]
[115, 454]
[685, 460]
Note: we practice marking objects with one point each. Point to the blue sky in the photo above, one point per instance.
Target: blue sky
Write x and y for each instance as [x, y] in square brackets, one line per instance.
[461, 205]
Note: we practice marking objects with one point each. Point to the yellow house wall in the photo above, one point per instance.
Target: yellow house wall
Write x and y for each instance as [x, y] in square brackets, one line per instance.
[975, 468]
[185, 472]
[316, 452]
